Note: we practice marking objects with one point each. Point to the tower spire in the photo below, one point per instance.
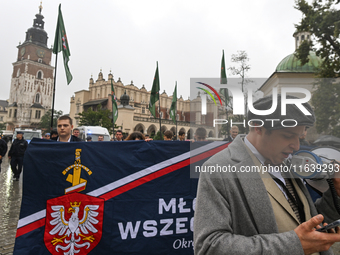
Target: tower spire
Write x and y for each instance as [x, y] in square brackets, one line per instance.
[40, 8]
[36, 33]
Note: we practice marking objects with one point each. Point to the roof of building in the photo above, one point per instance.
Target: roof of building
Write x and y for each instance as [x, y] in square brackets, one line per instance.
[95, 102]
[3, 104]
[36, 105]
[292, 64]
[13, 105]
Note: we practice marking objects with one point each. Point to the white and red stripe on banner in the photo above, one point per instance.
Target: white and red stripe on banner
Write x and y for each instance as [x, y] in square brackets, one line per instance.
[36, 220]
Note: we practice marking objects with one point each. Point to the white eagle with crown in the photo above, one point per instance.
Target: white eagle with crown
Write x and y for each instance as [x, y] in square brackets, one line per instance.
[76, 230]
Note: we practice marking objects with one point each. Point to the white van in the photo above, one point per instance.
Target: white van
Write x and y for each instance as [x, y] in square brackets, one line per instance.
[28, 134]
[94, 132]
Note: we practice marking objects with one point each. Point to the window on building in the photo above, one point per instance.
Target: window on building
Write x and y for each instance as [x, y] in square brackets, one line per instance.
[77, 111]
[39, 61]
[10, 113]
[18, 72]
[37, 114]
[1, 118]
[37, 98]
[161, 115]
[143, 109]
[177, 117]
[15, 113]
[39, 75]
[302, 37]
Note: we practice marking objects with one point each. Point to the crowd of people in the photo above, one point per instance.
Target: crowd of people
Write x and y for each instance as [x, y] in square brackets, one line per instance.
[241, 212]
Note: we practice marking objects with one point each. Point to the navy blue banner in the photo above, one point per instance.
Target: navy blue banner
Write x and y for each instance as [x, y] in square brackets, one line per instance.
[131, 197]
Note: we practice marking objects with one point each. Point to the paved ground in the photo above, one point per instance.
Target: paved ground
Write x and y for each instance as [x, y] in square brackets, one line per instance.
[10, 202]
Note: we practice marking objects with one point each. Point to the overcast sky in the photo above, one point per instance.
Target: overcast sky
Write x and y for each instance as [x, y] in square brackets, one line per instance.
[128, 37]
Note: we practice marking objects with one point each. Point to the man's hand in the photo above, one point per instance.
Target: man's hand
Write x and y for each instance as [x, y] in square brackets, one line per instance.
[312, 240]
[0, 157]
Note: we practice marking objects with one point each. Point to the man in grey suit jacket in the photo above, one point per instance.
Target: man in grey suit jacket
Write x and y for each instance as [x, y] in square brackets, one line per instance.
[241, 212]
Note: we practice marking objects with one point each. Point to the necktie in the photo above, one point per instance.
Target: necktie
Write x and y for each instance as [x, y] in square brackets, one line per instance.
[293, 198]
[291, 190]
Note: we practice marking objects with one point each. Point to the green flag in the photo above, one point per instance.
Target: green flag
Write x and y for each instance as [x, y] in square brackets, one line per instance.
[223, 80]
[61, 44]
[173, 108]
[154, 97]
[114, 104]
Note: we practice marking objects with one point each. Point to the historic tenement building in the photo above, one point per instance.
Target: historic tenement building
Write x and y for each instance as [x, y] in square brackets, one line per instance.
[32, 78]
[3, 111]
[133, 112]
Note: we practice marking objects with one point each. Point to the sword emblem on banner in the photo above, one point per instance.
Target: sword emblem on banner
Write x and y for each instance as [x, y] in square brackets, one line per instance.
[78, 183]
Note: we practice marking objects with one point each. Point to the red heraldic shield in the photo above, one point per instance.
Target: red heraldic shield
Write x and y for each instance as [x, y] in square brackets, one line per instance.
[74, 223]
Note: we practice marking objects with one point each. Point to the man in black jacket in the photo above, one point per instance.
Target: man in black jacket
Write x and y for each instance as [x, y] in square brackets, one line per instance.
[3, 150]
[64, 127]
[16, 154]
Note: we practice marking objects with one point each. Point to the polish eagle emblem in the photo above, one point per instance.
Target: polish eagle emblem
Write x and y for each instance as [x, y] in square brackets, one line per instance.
[73, 226]
[75, 229]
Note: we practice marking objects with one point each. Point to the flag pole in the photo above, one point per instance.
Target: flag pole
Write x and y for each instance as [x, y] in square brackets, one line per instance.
[176, 113]
[55, 78]
[160, 120]
[113, 114]
[176, 122]
[159, 107]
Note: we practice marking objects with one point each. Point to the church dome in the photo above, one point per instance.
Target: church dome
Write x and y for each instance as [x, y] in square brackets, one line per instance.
[292, 64]
[124, 99]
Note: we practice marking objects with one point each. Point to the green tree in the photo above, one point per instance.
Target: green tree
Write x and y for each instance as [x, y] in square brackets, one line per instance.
[322, 19]
[325, 101]
[242, 59]
[100, 117]
[3, 126]
[157, 136]
[45, 121]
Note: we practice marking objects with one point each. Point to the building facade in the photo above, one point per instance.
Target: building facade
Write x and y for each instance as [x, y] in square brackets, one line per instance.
[136, 116]
[32, 79]
[291, 73]
[3, 111]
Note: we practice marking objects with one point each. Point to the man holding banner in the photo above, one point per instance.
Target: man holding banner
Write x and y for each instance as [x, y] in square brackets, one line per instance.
[254, 212]
[64, 127]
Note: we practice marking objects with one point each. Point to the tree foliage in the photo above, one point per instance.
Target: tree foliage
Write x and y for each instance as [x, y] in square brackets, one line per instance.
[157, 136]
[45, 121]
[100, 117]
[322, 19]
[2, 126]
[327, 109]
[242, 60]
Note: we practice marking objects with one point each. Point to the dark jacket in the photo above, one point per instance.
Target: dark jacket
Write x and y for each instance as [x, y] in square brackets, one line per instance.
[228, 139]
[18, 148]
[3, 148]
[73, 139]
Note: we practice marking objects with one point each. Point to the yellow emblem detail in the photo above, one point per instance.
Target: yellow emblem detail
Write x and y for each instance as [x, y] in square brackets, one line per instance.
[75, 204]
[78, 183]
